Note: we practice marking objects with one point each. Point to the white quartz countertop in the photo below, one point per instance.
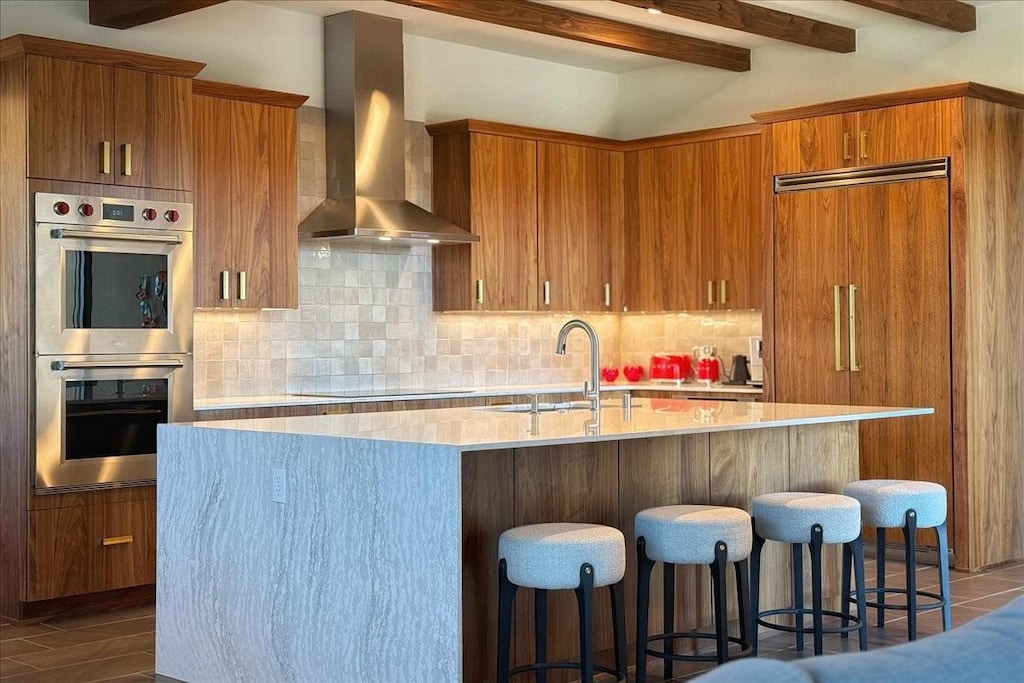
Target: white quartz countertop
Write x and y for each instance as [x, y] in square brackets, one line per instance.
[489, 427]
[233, 403]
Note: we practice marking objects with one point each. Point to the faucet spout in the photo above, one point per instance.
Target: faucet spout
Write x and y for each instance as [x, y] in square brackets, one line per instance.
[592, 390]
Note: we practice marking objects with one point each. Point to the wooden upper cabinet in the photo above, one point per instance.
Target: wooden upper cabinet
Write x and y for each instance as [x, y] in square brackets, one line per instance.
[486, 184]
[909, 132]
[246, 215]
[663, 240]
[101, 124]
[732, 201]
[579, 227]
[813, 144]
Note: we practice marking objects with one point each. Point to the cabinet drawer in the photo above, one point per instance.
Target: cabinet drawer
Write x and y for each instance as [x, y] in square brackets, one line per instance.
[91, 548]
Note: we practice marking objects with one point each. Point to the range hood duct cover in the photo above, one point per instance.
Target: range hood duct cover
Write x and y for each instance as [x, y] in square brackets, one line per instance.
[364, 96]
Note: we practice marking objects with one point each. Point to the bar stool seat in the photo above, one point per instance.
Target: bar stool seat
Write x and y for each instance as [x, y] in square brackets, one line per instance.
[695, 535]
[561, 556]
[907, 505]
[812, 519]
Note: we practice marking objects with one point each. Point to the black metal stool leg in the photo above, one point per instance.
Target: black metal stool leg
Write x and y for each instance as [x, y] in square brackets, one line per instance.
[857, 547]
[817, 615]
[506, 598]
[910, 564]
[880, 573]
[943, 542]
[585, 598]
[844, 587]
[755, 588]
[643, 596]
[718, 588]
[619, 627]
[668, 612]
[540, 630]
[798, 593]
[743, 598]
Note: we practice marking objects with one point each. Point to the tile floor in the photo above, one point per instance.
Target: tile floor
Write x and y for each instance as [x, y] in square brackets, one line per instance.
[119, 646]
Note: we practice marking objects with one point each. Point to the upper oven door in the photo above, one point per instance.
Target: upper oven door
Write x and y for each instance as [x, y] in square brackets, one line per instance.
[101, 289]
[97, 417]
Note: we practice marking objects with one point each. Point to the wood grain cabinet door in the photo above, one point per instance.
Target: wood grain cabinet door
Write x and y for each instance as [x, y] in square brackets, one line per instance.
[663, 230]
[908, 132]
[579, 224]
[70, 120]
[811, 260]
[59, 554]
[732, 264]
[819, 143]
[153, 130]
[503, 191]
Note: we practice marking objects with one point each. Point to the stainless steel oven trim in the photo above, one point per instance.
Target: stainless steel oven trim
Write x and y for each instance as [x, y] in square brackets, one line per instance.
[51, 252]
[54, 474]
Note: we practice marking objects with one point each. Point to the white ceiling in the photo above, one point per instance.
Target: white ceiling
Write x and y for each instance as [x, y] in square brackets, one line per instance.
[440, 26]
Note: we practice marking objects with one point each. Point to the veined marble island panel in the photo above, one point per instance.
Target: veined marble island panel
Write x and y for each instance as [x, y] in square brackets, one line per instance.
[379, 564]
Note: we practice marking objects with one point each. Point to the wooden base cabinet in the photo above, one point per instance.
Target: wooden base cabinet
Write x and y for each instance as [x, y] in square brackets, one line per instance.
[246, 213]
[909, 293]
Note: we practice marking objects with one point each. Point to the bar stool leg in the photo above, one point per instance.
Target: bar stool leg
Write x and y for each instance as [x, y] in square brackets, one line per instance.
[619, 626]
[845, 581]
[669, 609]
[718, 589]
[816, 607]
[540, 630]
[798, 593]
[755, 589]
[643, 595]
[910, 564]
[743, 597]
[506, 598]
[585, 598]
[943, 542]
[880, 573]
[857, 547]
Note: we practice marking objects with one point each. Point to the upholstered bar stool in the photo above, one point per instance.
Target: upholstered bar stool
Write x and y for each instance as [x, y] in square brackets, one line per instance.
[907, 505]
[691, 534]
[811, 519]
[561, 556]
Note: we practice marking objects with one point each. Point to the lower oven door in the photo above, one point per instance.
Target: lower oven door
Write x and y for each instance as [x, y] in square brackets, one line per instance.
[97, 417]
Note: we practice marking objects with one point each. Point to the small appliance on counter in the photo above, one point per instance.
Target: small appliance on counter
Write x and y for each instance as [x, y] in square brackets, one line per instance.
[671, 367]
[756, 361]
[740, 373]
[708, 369]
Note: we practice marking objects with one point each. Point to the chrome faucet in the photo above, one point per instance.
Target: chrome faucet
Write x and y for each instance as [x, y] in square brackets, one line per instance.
[592, 389]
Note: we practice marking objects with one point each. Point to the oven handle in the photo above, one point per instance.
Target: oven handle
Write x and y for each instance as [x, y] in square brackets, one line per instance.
[61, 233]
[59, 365]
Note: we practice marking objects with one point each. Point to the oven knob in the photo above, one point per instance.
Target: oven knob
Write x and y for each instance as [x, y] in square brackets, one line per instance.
[61, 208]
[171, 216]
[85, 209]
[149, 214]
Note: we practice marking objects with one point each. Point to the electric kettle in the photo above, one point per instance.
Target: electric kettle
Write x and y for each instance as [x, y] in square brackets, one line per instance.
[740, 372]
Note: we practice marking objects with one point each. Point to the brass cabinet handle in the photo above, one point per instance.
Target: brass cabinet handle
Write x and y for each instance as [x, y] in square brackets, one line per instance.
[607, 294]
[723, 292]
[853, 329]
[547, 293]
[862, 144]
[127, 159]
[846, 147]
[479, 291]
[711, 292]
[119, 540]
[106, 157]
[225, 285]
[241, 285]
[838, 333]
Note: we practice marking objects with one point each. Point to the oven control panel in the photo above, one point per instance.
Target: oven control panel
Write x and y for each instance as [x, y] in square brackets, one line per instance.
[112, 211]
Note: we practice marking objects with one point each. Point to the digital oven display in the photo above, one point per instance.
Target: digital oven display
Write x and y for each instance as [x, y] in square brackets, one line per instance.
[118, 212]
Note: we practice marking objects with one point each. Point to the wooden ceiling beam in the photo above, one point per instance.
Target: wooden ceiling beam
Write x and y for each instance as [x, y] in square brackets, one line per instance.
[131, 13]
[587, 28]
[759, 20]
[952, 14]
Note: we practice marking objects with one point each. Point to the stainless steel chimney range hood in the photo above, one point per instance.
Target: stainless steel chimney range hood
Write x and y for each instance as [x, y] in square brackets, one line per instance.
[364, 96]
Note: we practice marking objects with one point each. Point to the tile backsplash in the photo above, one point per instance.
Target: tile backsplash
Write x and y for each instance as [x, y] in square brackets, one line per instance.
[365, 319]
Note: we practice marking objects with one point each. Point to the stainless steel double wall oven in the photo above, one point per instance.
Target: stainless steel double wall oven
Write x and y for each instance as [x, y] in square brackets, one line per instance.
[113, 336]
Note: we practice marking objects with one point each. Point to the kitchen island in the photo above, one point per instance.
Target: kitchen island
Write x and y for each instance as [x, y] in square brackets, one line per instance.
[363, 547]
